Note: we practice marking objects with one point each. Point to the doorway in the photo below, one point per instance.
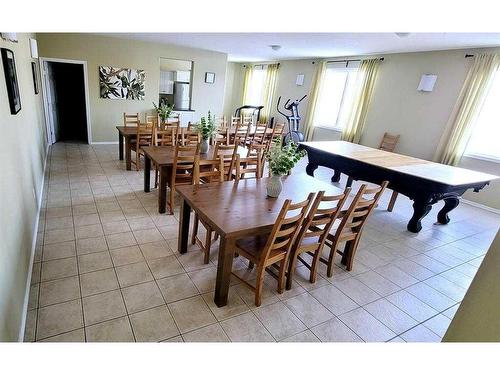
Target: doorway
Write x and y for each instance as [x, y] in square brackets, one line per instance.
[66, 100]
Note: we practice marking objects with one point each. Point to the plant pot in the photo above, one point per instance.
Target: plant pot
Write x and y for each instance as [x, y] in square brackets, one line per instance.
[274, 186]
[204, 146]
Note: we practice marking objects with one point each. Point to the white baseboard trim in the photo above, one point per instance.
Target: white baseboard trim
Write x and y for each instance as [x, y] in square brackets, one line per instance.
[105, 143]
[482, 206]
[32, 255]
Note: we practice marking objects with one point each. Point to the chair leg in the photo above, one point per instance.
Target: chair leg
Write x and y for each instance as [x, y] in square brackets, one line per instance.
[171, 198]
[281, 276]
[250, 265]
[291, 271]
[195, 229]
[259, 283]
[208, 245]
[353, 246]
[331, 257]
[314, 266]
[392, 202]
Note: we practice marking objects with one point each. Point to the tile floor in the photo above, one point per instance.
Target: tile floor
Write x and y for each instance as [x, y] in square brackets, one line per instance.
[106, 269]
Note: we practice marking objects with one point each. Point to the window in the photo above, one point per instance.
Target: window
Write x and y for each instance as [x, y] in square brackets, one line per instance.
[336, 96]
[484, 140]
[256, 86]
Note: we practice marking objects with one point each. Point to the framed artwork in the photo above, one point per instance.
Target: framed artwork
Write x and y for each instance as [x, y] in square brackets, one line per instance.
[9, 68]
[121, 83]
[209, 77]
[300, 80]
[34, 71]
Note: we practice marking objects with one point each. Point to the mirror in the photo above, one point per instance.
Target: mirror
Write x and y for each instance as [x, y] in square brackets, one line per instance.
[175, 83]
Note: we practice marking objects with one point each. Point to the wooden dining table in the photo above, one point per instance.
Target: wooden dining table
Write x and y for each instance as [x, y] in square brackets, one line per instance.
[163, 157]
[125, 136]
[240, 209]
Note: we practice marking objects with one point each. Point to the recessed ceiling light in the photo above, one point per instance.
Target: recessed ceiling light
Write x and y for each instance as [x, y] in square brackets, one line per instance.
[402, 35]
[275, 47]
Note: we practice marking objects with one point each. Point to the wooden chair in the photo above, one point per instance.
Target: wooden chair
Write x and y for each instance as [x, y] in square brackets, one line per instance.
[241, 134]
[152, 120]
[388, 143]
[252, 164]
[189, 138]
[165, 137]
[228, 153]
[247, 119]
[191, 127]
[258, 150]
[144, 137]
[131, 119]
[182, 170]
[223, 136]
[235, 121]
[313, 233]
[206, 171]
[351, 226]
[273, 250]
[278, 130]
[260, 134]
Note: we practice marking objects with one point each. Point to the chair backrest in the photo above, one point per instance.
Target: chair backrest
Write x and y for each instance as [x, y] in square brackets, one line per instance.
[151, 120]
[131, 119]
[287, 226]
[183, 166]
[235, 121]
[165, 137]
[252, 163]
[166, 124]
[247, 119]
[228, 154]
[189, 137]
[241, 133]
[260, 133]
[191, 127]
[319, 220]
[278, 130]
[389, 142]
[221, 122]
[256, 149]
[207, 171]
[360, 208]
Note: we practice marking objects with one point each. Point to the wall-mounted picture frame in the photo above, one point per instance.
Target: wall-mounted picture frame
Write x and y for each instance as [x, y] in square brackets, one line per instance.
[9, 68]
[300, 80]
[34, 71]
[209, 77]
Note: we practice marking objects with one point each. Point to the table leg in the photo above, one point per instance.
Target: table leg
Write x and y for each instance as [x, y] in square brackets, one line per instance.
[147, 173]
[421, 207]
[162, 190]
[128, 154]
[349, 181]
[336, 176]
[182, 242]
[224, 267]
[310, 168]
[449, 204]
[120, 146]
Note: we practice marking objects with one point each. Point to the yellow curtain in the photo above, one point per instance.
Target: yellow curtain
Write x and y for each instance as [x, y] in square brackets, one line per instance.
[469, 103]
[313, 100]
[365, 82]
[247, 81]
[268, 92]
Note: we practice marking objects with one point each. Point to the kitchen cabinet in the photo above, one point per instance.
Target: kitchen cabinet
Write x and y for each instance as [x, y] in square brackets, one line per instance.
[166, 82]
[182, 76]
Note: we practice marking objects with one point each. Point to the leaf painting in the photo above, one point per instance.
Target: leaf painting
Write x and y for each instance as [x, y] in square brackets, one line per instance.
[121, 83]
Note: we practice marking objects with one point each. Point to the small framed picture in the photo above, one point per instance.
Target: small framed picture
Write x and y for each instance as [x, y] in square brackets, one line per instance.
[9, 68]
[300, 80]
[34, 71]
[209, 77]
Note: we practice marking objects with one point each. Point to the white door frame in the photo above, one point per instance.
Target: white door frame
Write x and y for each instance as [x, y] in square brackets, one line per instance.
[48, 118]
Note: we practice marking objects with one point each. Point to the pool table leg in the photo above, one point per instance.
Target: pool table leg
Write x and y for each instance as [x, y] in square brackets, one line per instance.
[336, 176]
[310, 168]
[450, 203]
[421, 207]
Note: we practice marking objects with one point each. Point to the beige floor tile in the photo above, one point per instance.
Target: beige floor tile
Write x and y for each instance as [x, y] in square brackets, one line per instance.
[447, 287]
[458, 278]
[60, 318]
[30, 327]
[59, 235]
[58, 212]
[84, 220]
[126, 255]
[335, 331]
[89, 231]
[366, 326]
[235, 305]
[59, 268]
[155, 250]
[120, 240]
[132, 274]
[420, 334]
[78, 335]
[357, 291]
[115, 227]
[91, 245]
[59, 223]
[438, 324]
[94, 262]
[141, 223]
[392, 317]
[204, 279]
[116, 330]
[84, 209]
[175, 288]
[164, 267]
[308, 310]
[192, 313]
[450, 313]
[153, 325]
[411, 305]
[279, 321]
[211, 333]
[33, 297]
[169, 231]
[102, 307]
[142, 297]
[334, 300]
[110, 216]
[269, 296]
[378, 283]
[60, 290]
[305, 336]
[397, 276]
[147, 235]
[59, 250]
[246, 328]
[192, 261]
[431, 296]
[98, 282]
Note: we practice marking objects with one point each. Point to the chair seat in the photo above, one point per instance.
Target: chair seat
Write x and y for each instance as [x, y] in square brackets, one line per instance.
[252, 248]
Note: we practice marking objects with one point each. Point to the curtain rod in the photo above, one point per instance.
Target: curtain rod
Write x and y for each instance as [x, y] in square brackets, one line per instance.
[333, 61]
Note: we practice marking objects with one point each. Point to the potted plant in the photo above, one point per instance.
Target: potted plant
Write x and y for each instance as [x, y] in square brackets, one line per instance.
[281, 160]
[207, 130]
[164, 110]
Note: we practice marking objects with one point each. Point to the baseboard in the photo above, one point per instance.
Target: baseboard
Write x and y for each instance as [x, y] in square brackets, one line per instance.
[105, 143]
[32, 255]
[482, 206]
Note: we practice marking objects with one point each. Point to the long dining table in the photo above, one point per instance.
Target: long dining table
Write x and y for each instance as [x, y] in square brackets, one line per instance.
[163, 158]
[240, 209]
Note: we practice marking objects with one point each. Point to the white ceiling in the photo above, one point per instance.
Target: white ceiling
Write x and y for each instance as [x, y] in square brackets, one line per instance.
[255, 46]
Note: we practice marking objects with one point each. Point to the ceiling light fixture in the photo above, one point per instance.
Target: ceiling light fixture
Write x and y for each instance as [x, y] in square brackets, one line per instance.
[275, 47]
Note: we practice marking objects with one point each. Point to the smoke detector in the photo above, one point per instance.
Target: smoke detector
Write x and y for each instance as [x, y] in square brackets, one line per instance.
[275, 47]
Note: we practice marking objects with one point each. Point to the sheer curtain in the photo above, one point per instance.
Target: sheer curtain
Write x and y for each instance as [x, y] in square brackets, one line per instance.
[314, 99]
[467, 108]
[268, 91]
[247, 81]
[365, 82]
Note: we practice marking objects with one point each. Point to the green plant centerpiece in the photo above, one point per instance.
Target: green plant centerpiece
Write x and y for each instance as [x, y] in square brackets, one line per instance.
[207, 130]
[281, 160]
[164, 110]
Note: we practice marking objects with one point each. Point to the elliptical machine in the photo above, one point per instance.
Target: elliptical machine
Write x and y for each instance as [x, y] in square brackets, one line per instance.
[293, 120]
